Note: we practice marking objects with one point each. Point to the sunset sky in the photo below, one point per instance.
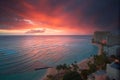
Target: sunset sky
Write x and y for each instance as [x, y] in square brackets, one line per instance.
[57, 17]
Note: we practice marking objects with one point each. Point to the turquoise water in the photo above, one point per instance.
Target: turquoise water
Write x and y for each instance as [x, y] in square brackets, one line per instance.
[20, 55]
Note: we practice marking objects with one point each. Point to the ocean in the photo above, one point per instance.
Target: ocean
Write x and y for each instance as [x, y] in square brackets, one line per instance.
[21, 55]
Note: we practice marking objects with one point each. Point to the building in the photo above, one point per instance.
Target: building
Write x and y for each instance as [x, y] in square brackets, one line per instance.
[98, 75]
[110, 38]
[99, 36]
[113, 71]
[113, 40]
[90, 77]
[112, 50]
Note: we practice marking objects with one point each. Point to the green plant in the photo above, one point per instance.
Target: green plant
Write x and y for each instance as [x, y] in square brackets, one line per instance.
[72, 75]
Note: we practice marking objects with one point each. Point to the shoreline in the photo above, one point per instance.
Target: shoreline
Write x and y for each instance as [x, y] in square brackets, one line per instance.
[51, 71]
[82, 65]
[99, 48]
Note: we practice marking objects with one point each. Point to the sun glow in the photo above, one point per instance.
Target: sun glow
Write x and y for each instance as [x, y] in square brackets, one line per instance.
[44, 31]
[12, 32]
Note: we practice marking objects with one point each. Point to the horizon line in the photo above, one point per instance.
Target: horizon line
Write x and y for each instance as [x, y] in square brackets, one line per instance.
[47, 35]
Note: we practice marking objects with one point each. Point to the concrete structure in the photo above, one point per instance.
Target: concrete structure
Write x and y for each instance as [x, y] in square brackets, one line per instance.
[90, 77]
[99, 36]
[113, 71]
[112, 50]
[113, 40]
[98, 75]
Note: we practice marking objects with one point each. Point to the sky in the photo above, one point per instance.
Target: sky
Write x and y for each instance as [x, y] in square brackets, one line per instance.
[58, 17]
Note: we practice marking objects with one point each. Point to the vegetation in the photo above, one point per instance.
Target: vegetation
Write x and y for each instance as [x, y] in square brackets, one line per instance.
[99, 63]
[72, 75]
[73, 72]
[66, 72]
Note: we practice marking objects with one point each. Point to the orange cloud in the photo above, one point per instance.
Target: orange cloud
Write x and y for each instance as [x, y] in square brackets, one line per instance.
[58, 16]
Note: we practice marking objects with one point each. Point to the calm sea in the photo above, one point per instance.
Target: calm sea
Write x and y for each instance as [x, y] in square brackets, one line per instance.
[21, 55]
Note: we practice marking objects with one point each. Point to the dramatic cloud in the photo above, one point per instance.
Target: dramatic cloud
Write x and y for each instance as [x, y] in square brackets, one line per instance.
[28, 21]
[36, 31]
[70, 16]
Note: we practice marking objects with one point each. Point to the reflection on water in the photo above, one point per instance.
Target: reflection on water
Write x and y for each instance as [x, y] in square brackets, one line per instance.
[25, 53]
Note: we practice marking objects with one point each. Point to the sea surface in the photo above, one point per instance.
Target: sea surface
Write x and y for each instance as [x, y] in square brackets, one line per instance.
[21, 55]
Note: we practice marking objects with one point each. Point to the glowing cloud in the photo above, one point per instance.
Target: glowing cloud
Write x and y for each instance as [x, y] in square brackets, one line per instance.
[36, 31]
[29, 21]
[66, 17]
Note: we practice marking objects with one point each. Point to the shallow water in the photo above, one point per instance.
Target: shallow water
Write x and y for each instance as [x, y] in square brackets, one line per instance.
[20, 55]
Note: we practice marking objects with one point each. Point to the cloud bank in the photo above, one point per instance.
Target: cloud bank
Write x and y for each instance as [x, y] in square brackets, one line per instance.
[79, 15]
[35, 31]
